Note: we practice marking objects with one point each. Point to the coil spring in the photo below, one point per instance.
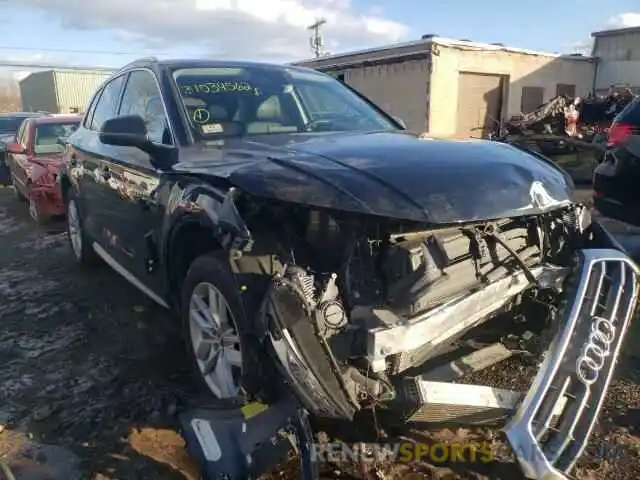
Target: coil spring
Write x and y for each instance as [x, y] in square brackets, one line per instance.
[570, 219]
[307, 286]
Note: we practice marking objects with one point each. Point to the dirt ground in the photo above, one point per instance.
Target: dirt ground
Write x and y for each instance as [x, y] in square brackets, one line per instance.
[92, 374]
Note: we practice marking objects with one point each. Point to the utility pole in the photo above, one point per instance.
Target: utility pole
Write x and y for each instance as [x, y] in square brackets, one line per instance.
[316, 38]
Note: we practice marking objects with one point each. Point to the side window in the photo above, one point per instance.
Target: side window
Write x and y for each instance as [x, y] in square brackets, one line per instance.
[86, 123]
[26, 132]
[531, 99]
[566, 89]
[142, 97]
[20, 134]
[321, 101]
[107, 105]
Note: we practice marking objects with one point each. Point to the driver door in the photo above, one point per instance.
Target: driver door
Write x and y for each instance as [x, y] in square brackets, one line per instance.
[134, 212]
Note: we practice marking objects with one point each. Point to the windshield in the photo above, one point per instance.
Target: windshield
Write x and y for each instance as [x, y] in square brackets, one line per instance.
[49, 137]
[10, 125]
[231, 102]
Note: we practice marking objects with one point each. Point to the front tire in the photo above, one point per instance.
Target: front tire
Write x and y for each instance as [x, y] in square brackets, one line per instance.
[215, 329]
[79, 241]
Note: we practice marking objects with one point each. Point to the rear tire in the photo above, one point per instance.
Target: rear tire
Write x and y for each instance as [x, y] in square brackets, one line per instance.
[80, 243]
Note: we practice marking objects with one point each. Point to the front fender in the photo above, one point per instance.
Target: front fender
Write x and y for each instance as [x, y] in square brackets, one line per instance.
[211, 208]
[64, 182]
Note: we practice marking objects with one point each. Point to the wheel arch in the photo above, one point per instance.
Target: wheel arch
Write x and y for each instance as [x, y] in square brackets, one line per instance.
[65, 185]
[188, 238]
[200, 219]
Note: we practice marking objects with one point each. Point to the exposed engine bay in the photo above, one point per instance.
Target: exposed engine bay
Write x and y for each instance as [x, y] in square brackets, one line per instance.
[365, 312]
[387, 297]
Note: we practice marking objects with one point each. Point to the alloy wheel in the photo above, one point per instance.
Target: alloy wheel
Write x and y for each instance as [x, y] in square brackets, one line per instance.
[215, 341]
[75, 232]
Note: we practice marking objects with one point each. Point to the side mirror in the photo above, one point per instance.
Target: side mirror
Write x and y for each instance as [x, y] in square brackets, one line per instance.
[131, 131]
[15, 148]
[400, 122]
[125, 131]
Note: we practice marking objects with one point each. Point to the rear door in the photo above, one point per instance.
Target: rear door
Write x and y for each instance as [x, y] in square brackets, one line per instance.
[87, 161]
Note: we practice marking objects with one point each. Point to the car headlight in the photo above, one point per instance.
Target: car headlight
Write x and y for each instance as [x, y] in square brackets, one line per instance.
[306, 384]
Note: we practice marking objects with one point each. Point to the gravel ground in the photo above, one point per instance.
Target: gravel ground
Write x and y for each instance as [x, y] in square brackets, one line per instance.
[92, 375]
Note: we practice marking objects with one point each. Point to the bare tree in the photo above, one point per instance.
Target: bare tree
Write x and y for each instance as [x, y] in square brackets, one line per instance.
[9, 96]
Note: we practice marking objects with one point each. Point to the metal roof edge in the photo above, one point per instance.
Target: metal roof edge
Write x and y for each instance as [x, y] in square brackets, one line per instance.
[615, 31]
[449, 42]
[345, 58]
[384, 48]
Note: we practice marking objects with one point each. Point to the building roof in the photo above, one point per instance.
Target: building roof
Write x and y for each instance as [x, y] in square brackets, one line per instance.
[615, 31]
[77, 71]
[21, 114]
[498, 47]
[417, 46]
[58, 118]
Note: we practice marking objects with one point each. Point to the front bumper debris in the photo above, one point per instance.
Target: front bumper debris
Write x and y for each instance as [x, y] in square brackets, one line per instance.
[241, 444]
[453, 317]
[578, 366]
[48, 199]
[549, 427]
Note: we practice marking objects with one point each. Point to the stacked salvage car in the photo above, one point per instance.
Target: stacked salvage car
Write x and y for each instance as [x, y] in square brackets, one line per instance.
[594, 114]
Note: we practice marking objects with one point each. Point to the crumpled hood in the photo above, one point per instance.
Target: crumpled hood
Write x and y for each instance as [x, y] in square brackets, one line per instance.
[52, 160]
[42, 165]
[389, 174]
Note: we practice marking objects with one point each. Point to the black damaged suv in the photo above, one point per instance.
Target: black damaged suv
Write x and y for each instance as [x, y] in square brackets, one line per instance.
[308, 241]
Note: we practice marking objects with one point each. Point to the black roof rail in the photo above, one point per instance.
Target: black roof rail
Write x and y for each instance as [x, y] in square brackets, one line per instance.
[140, 62]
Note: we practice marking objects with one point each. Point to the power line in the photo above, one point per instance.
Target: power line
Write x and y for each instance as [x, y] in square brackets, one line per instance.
[52, 66]
[67, 50]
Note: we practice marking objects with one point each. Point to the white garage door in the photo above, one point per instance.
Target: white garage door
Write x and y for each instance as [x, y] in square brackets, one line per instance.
[479, 103]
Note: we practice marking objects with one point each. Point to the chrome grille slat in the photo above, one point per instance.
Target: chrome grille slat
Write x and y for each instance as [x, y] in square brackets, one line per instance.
[603, 304]
[550, 407]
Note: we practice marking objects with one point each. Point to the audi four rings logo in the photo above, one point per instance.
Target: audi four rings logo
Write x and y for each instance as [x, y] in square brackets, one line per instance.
[596, 350]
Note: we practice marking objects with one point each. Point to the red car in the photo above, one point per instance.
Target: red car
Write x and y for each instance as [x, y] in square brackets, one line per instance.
[35, 160]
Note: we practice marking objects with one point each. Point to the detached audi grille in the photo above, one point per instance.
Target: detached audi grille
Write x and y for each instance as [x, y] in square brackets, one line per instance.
[577, 367]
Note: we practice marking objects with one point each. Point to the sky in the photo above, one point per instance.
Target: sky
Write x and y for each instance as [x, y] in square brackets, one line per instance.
[112, 33]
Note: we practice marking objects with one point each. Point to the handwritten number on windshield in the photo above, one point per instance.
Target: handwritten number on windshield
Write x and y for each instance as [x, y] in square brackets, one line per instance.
[217, 87]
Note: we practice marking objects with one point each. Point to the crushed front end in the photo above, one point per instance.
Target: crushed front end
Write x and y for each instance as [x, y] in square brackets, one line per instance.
[378, 313]
[44, 189]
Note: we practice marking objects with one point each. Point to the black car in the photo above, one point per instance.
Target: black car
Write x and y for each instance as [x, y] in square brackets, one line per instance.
[616, 178]
[311, 245]
[9, 125]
